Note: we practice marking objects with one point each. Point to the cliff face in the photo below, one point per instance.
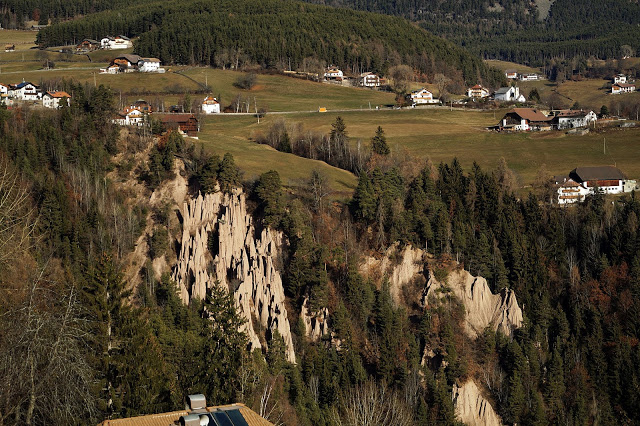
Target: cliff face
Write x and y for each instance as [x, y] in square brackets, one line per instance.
[471, 407]
[239, 260]
[400, 266]
[483, 308]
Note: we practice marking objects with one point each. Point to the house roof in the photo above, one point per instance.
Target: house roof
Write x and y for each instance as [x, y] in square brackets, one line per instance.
[24, 83]
[529, 114]
[129, 57]
[510, 71]
[151, 60]
[210, 100]
[58, 94]
[503, 90]
[582, 174]
[478, 87]
[423, 90]
[572, 113]
[124, 37]
[250, 417]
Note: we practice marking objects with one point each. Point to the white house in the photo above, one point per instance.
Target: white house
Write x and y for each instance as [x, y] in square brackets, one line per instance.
[111, 69]
[53, 99]
[130, 117]
[571, 119]
[422, 97]
[509, 94]
[333, 73]
[369, 79]
[4, 89]
[511, 74]
[619, 78]
[210, 105]
[25, 91]
[478, 92]
[149, 65]
[622, 88]
[583, 181]
[529, 77]
[113, 43]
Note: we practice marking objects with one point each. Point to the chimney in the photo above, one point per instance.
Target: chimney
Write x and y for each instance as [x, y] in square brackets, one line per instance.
[196, 403]
[194, 420]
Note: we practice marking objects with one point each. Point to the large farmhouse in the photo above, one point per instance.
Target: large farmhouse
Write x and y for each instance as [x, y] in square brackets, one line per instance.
[583, 181]
[185, 123]
[520, 119]
[118, 42]
[571, 119]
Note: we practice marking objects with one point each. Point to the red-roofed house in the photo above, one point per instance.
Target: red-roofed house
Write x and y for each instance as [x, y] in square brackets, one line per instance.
[622, 88]
[54, 98]
[478, 92]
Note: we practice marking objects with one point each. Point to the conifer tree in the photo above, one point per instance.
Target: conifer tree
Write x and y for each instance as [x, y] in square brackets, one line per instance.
[379, 143]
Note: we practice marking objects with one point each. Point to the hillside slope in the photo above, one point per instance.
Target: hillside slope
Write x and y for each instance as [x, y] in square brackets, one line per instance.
[520, 31]
[272, 33]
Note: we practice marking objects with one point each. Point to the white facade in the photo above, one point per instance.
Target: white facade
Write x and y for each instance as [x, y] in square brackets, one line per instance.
[477, 91]
[619, 78]
[149, 65]
[422, 97]
[130, 117]
[25, 92]
[53, 99]
[4, 90]
[509, 94]
[511, 74]
[529, 77]
[369, 79]
[571, 192]
[573, 120]
[622, 88]
[114, 43]
[210, 105]
[333, 73]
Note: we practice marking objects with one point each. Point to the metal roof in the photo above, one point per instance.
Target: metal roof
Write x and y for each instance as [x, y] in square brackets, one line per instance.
[582, 174]
[233, 413]
[529, 114]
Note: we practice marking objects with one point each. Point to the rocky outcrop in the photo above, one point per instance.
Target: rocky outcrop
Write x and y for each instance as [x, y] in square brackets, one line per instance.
[399, 266]
[315, 323]
[471, 407]
[220, 247]
[483, 308]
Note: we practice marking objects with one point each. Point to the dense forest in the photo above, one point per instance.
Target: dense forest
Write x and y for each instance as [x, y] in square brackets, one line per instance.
[520, 31]
[91, 346]
[274, 33]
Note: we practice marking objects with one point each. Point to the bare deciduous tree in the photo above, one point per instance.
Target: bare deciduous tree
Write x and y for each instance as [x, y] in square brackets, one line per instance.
[44, 375]
[371, 404]
[401, 76]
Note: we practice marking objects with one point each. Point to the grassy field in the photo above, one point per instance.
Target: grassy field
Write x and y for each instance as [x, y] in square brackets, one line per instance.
[279, 93]
[504, 65]
[229, 134]
[23, 40]
[442, 135]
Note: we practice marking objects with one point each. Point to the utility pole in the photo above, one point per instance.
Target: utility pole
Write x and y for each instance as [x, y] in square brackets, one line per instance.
[604, 146]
